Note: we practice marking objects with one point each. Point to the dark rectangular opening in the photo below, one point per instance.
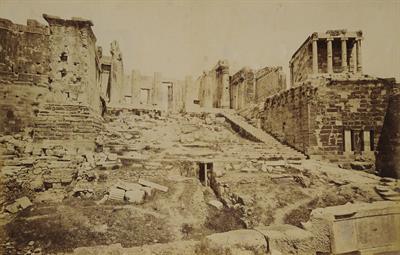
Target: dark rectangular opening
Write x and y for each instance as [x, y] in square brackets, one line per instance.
[371, 139]
[202, 171]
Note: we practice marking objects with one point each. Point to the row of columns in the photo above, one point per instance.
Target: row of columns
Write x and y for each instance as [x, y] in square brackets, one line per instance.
[356, 55]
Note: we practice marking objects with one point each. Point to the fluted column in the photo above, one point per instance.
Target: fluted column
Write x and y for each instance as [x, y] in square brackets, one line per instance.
[344, 54]
[359, 57]
[329, 54]
[315, 55]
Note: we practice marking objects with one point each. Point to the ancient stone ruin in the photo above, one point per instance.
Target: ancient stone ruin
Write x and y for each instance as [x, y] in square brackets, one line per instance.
[97, 159]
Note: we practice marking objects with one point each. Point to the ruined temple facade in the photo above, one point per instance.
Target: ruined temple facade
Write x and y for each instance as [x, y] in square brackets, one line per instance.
[332, 110]
[213, 86]
[332, 52]
[249, 87]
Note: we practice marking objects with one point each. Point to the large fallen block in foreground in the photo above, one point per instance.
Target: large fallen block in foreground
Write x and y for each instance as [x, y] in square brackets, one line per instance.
[288, 239]
[243, 241]
[364, 227]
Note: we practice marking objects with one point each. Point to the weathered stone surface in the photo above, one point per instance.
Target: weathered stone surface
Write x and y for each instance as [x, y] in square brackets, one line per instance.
[289, 239]
[361, 227]
[116, 194]
[216, 204]
[135, 196]
[153, 185]
[243, 239]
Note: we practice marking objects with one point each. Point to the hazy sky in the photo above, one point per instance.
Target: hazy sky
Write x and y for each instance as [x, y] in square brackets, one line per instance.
[181, 38]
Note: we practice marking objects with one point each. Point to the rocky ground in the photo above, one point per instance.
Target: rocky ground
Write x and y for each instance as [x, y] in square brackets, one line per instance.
[80, 198]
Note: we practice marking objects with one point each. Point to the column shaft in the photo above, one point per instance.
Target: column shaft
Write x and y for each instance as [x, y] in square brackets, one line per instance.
[354, 57]
[315, 55]
[344, 54]
[359, 58]
[329, 55]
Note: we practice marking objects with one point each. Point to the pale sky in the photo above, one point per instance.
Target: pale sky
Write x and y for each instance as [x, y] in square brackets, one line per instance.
[179, 38]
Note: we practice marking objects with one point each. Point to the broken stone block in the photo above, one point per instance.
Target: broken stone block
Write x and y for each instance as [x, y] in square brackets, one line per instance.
[12, 208]
[243, 239]
[23, 202]
[135, 196]
[116, 194]
[357, 227]
[37, 184]
[103, 200]
[129, 186]
[216, 204]
[90, 159]
[148, 191]
[153, 185]
[288, 239]
[357, 165]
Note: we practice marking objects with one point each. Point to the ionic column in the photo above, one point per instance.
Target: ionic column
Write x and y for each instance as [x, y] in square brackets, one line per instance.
[354, 57]
[315, 55]
[359, 58]
[329, 54]
[344, 54]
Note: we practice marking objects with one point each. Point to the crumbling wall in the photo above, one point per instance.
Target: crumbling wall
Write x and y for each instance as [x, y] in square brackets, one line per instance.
[286, 116]
[73, 61]
[24, 51]
[269, 81]
[24, 66]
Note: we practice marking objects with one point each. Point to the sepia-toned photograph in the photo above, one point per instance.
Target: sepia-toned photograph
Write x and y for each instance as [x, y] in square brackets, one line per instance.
[189, 127]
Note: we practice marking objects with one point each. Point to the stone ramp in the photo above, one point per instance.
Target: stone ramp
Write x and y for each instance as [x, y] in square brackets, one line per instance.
[256, 134]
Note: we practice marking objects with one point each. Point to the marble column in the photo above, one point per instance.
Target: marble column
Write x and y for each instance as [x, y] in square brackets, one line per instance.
[354, 56]
[329, 54]
[315, 55]
[359, 58]
[344, 54]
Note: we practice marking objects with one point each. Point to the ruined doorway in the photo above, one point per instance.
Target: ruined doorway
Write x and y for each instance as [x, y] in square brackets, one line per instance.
[144, 96]
[166, 96]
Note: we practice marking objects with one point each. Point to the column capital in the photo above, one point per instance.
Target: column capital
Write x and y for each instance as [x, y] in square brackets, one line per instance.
[359, 38]
[344, 38]
[314, 36]
[329, 39]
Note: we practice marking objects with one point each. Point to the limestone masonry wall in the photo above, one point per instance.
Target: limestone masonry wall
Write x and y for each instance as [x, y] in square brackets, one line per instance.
[24, 51]
[269, 81]
[337, 119]
[285, 115]
[49, 65]
[73, 56]
[24, 68]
